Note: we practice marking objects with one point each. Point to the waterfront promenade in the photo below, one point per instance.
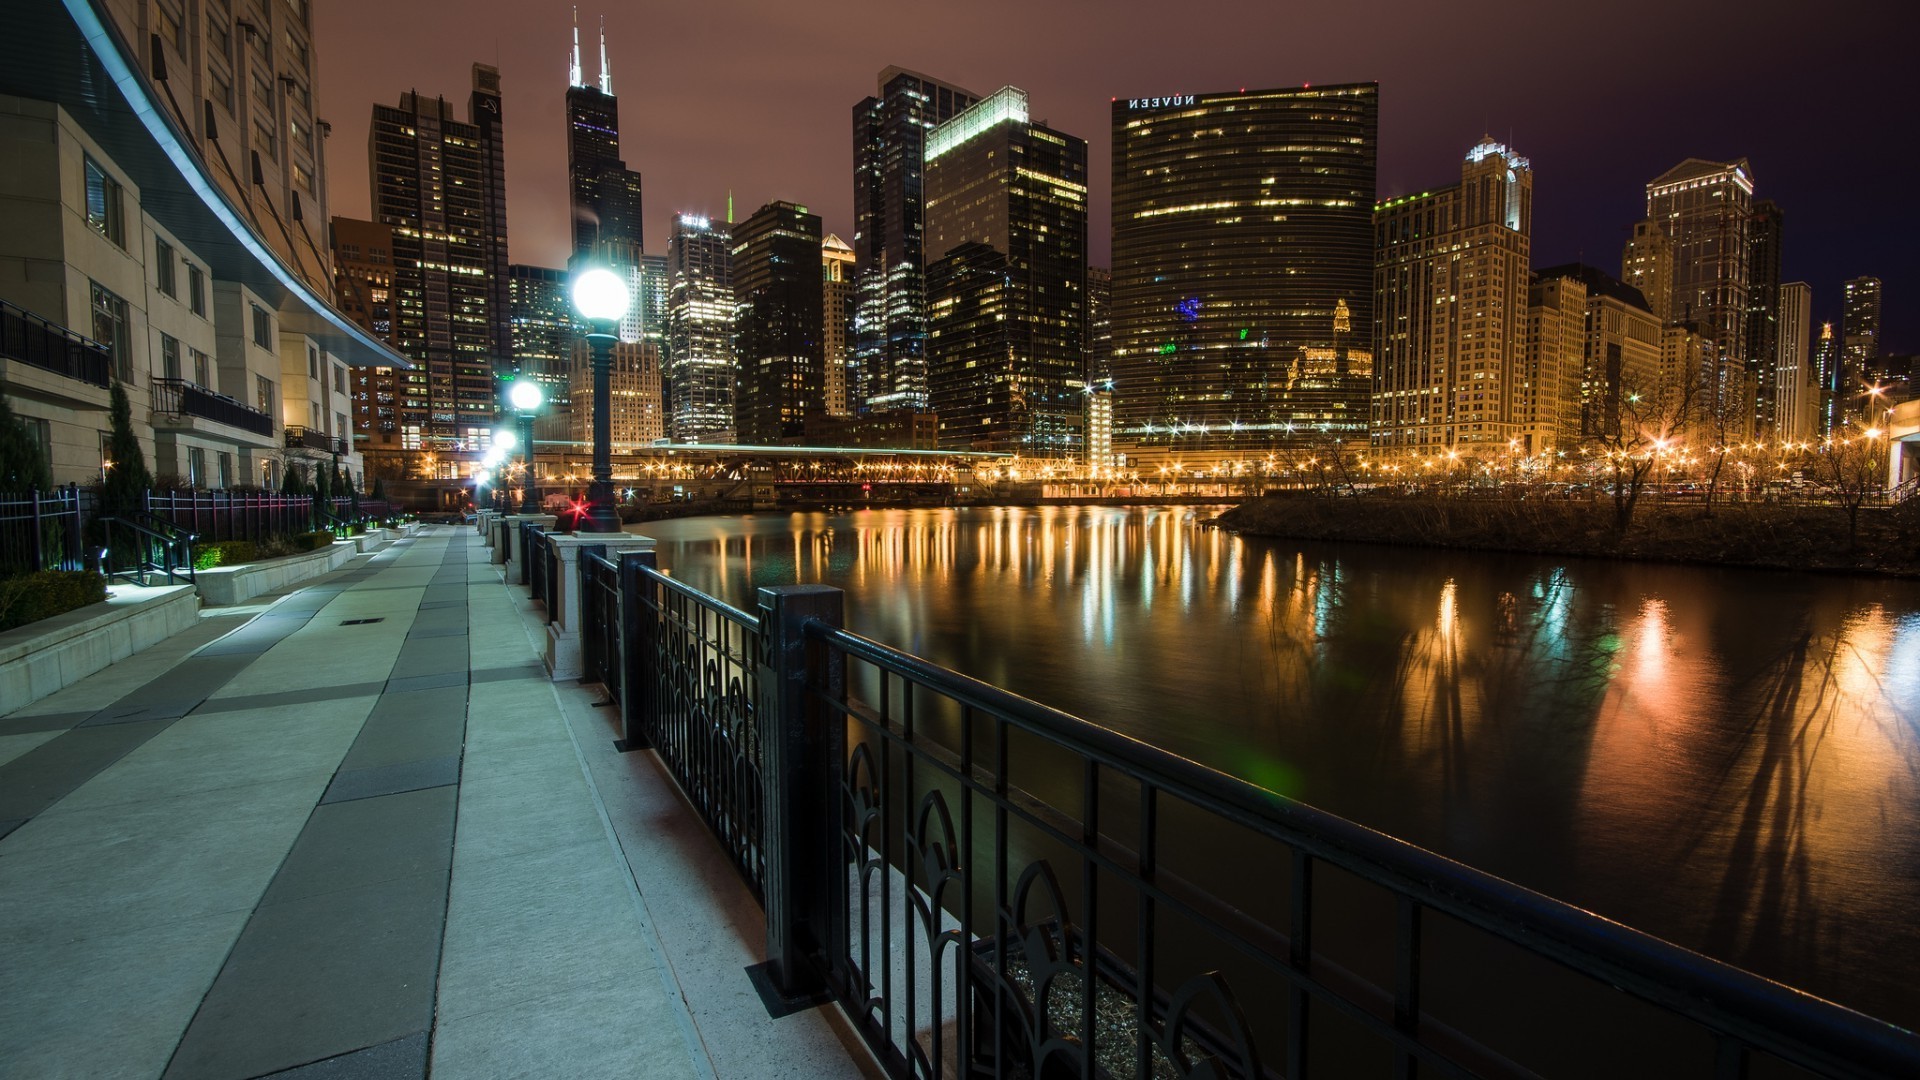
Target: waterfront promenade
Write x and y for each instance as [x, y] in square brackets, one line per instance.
[353, 830]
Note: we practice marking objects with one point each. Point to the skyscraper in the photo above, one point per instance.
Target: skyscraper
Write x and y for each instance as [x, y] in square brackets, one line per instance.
[1860, 334]
[888, 369]
[1622, 355]
[699, 365]
[1451, 274]
[1763, 312]
[778, 305]
[1240, 222]
[1006, 258]
[1556, 361]
[363, 287]
[436, 185]
[1831, 373]
[541, 315]
[603, 194]
[836, 278]
[1706, 210]
[1647, 265]
[1099, 367]
[1796, 381]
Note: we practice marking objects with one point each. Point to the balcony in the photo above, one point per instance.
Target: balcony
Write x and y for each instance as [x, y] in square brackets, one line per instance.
[299, 438]
[34, 341]
[182, 398]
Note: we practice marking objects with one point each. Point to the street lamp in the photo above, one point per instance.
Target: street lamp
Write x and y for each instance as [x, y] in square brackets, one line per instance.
[525, 397]
[601, 297]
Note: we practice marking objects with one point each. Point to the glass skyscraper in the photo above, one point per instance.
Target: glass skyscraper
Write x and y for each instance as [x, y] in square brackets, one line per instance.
[1241, 222]
[699, 365]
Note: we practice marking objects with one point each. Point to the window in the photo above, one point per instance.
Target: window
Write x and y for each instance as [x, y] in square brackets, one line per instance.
[339, 380]
[264, 141]
[220, 88]
[296, 51]
[262, 327]
[313, 362]
[313, 407]
[104, 209]
[220, 34]
[196, 466]
[226, 469]
[299, 134]
[202, 369]
[340, 424]
[163, 267]
[172, 26]
[302, 179]
[169, 356]
[110, 329]
[197, 290]
[263, 394]
[263, 91]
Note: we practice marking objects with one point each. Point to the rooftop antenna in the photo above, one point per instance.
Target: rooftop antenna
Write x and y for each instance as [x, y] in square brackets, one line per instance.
[573, 69]
[606, 77]
[729, 206]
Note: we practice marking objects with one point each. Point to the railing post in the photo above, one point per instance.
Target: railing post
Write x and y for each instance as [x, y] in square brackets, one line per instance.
[592, 619]
[640, 705]
[803, 753]
[39, 552]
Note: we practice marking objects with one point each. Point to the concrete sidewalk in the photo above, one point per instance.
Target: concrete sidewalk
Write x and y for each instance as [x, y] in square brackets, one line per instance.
[354, 831]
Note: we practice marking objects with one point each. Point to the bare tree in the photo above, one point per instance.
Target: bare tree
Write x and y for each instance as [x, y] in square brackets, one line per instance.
[1649, 424]
[1851, 468]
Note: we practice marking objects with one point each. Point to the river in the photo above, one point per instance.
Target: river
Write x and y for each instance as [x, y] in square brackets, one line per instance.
[1726, 759]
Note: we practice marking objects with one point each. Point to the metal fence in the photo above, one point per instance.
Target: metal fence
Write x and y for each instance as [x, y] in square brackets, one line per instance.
[182, 397]
[44, 530]
[252, 515]
[30, 339]
[991, 887]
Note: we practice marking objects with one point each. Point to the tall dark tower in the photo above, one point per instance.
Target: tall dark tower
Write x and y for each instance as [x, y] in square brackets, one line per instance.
[483, 108]
[778, 310]
[603, 192]
[1240, 221]
[1763, 313]
[888, 368]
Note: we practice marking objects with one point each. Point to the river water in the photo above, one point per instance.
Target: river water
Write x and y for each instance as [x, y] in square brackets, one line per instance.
[1726, 759]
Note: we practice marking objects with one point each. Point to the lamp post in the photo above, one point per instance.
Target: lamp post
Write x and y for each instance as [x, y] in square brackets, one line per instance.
[601, 297]
[504, 440]
[525, 396]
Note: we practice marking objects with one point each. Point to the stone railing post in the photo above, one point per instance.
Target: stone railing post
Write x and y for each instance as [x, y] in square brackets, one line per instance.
[803, 754]
[640, 704]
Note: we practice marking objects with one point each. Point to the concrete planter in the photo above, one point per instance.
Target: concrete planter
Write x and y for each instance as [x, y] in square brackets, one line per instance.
[225, 585]
[53, 654]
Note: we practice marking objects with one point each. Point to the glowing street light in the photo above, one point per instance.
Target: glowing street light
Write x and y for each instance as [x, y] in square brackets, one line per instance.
[526, 397]
[601, 297]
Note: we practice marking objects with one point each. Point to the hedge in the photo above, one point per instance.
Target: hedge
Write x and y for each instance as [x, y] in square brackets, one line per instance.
[42, 595]
[224, 553]
[311, 541]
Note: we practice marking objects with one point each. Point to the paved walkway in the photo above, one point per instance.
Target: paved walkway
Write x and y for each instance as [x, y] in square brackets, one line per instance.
[354, 831]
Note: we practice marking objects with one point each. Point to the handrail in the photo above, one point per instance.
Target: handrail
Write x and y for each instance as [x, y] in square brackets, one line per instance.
[1795, 1026]
[749, 620]
[170, 544]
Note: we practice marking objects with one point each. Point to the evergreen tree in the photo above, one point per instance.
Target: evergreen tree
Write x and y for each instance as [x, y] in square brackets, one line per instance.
[379, 489]
[22, 466]
[322, 489]
[127, 480]
[293, 483]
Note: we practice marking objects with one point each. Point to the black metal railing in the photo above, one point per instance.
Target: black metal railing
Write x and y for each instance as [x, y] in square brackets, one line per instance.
[601, 652]
[182, 398]
[308, 438]
[139, 548]
[533, 561]
[991, 887]
[30, 339]
[44, 530]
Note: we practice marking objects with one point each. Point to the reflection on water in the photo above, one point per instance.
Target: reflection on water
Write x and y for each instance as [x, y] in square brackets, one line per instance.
[1725, 759]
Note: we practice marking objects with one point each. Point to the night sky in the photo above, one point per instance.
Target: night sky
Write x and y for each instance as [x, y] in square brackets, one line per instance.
[757, 97]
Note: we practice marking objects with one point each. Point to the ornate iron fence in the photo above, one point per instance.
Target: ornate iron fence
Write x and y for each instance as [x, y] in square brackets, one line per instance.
[991, 887]
[44, 530]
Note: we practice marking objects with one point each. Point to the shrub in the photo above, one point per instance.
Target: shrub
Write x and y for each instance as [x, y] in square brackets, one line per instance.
[224, 553]
[310, 541]
[42, 595]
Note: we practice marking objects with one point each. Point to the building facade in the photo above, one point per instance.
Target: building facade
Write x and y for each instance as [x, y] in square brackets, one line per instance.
[1556, 350]
[837, 302]
[700, 369]
[1860, 334]
[1796, 392]
[1451, 281]
[1622, 356]
[1706, 210]
[1647, 265]
[544, 335]
[888, 368]
[1763, 313]
[450, 310]
[636, 416]
[778, 306]
[1240, 221]
[1006, 258]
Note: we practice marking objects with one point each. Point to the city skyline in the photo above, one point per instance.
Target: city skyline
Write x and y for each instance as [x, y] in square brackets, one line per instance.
[1773, 93]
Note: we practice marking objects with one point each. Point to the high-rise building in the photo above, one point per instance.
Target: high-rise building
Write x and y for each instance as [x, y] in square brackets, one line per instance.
[1647, 265]
[1706, 210]
[1763, 312]
[888, 369]
[700, 369]
[363, 287]
[541, 315]
[1006, 258]
[1829, 369]
[652, 300]
[1555, 362]
[1622, 356]
[604, 195]
[778, 304]
[1860, 334]
[1796, 381]
[636, 414]
[836, 278]
[1240, 222]
[1451, 275]
[1099, 367]
[436, 185]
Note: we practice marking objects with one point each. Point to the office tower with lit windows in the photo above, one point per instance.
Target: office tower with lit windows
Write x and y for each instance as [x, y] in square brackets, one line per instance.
[363, 288]
[603, 194]
[652, 300]
[1829, 369]
[836, 327]
[1706, 210]
[888, 368]
[1099, 367]
[1622, 354]
[437, 185]
[1451, 276]
[1763, 312]
[1860, 334]
[636, 407]
[540, 312]
[1647, 265]
[1556, 349]
[699, 367]
[1240, 222]
[1796, 379]
[777, 316]
[1006, 258]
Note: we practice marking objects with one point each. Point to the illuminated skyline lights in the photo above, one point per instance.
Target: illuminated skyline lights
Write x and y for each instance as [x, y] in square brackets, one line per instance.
[699, 367]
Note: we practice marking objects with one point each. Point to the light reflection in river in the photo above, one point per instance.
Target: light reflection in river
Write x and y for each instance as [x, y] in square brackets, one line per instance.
[1726, 759]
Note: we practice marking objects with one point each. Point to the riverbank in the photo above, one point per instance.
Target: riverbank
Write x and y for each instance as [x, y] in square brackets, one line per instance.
[1747, 535]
